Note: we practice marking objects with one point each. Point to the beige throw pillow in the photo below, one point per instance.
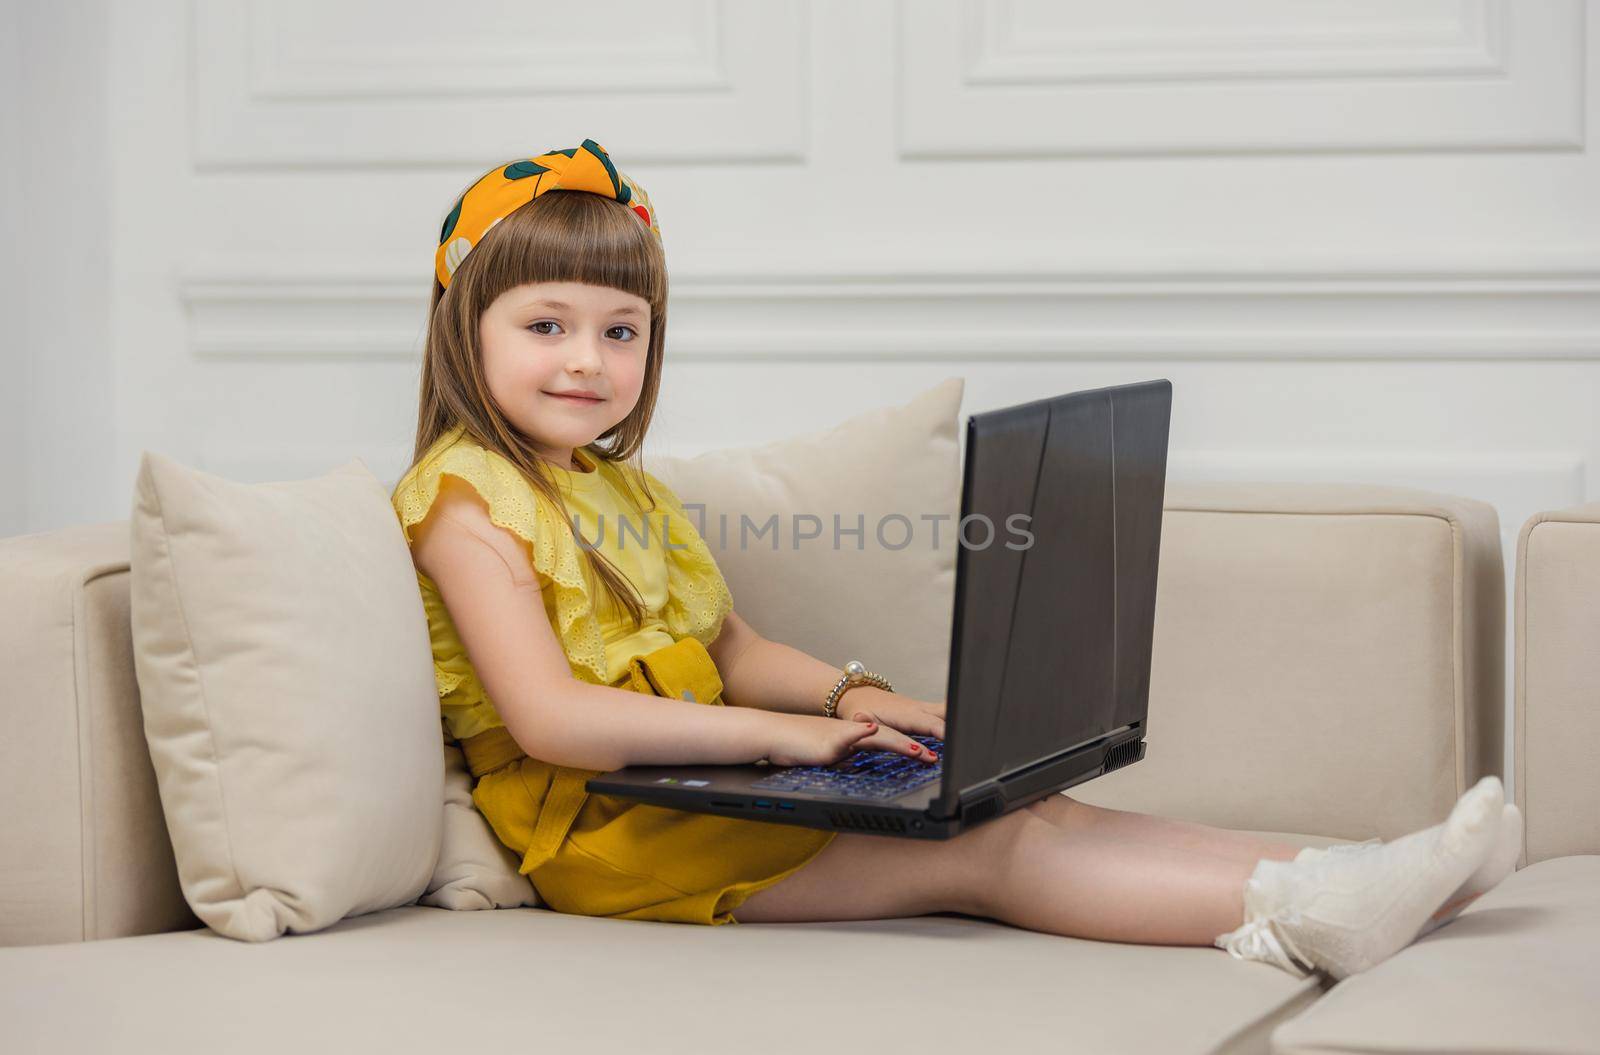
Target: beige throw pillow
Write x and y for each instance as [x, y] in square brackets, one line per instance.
[884, 595]
[475, 870]
[286, 679]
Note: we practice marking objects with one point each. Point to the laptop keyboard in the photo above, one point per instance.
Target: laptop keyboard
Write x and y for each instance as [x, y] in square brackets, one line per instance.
[863, 775]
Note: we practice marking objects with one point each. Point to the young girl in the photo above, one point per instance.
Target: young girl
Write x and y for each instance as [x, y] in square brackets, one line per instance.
[580, 623]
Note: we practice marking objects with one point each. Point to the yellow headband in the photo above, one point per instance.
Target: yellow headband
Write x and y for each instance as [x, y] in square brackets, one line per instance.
[506, 188]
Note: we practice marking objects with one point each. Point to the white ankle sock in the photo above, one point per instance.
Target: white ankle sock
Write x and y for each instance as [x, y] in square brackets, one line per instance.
[1344, 912]
[1500, 863]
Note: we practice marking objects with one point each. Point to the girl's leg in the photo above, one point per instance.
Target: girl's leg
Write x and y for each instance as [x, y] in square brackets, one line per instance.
[1073, 815]
[1023, 870]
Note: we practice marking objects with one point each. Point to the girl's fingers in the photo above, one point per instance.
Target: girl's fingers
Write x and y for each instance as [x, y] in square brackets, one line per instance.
[912, 749]
[881, 740]
[902, 742]
[931, 725]
[868, 734]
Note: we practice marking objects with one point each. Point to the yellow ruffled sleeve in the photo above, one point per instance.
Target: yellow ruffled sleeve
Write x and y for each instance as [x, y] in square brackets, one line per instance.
[698, 598]
[517, 507]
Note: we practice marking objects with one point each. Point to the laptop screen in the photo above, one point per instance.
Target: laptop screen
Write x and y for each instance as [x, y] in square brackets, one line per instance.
[1054, 618]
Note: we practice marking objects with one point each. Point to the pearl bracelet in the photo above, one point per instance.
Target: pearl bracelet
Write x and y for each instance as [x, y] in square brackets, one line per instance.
[855, 673]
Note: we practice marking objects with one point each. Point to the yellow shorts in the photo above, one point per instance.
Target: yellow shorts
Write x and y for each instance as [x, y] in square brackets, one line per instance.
[601, 855]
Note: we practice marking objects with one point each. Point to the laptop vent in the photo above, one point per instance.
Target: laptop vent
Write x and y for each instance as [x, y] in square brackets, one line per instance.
[1122, 754]
[866, 822]
[982, 810]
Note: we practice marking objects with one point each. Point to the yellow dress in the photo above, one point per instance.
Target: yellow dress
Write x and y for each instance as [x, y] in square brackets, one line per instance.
[592, 854]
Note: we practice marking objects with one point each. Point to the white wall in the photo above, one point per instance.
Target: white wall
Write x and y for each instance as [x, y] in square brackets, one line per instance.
[1361, 239]
[13, 361]
[57, 394]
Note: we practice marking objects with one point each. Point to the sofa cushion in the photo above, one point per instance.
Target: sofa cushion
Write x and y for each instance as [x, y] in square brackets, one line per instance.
[1558, 668]
[1518, 970]
[416, 979]
[289, 704]
[1328, 658]
[885, 593]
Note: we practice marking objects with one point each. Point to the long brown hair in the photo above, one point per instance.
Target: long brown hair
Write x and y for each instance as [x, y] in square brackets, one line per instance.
[560, 236]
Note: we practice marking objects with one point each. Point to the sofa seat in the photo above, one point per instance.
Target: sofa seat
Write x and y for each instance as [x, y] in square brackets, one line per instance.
[424, 979]
[1518, 971]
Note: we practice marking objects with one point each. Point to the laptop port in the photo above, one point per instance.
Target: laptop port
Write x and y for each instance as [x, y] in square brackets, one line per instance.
[763, 804]
[786, 805]
[733, 805]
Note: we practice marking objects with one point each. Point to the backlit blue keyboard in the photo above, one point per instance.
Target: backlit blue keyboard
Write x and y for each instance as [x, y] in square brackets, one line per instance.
[863, 775]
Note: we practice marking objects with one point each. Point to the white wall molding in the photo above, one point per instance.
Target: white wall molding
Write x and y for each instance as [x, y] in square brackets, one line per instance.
[1245, 310]
[266, 94]
[1468, 38]
[1489, 76]
[296, 54]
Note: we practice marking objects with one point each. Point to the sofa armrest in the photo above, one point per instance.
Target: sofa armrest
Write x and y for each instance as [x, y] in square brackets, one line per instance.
[1557, 703]
[1329, 659]
[84, 850]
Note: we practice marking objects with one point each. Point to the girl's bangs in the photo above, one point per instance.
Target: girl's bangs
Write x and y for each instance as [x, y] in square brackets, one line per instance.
[574, 236]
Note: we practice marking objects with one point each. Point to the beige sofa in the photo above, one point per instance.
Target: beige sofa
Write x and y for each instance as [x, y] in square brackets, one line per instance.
[1328, 663]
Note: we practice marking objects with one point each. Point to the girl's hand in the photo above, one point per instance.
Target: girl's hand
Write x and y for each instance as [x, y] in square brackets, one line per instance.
[899, 719]
[813, 740]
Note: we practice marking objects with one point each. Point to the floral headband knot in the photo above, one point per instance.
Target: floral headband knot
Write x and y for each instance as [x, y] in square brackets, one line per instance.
[506, 188]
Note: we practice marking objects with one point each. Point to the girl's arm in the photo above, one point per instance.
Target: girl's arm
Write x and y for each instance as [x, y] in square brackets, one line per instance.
[486, 578]
[771, 676]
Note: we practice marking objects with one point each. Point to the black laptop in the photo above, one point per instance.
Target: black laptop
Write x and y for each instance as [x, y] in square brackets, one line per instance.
[1050, 647]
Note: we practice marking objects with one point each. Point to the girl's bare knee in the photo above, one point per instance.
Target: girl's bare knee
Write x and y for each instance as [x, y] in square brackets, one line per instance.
[876, 876]
[860, 876]
[1063, 810]
[990, 854]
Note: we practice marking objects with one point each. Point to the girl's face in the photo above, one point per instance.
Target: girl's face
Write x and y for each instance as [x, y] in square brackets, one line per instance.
[548, 338]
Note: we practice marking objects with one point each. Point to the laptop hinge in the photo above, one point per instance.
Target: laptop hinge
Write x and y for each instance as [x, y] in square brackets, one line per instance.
[981, 801]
